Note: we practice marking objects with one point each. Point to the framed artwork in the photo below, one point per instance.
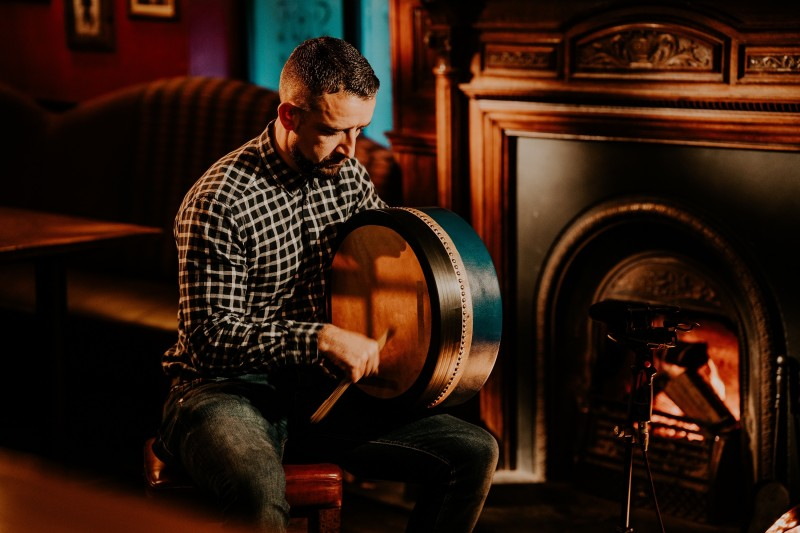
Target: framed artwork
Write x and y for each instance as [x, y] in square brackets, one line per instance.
[153, 9]
[89, 24]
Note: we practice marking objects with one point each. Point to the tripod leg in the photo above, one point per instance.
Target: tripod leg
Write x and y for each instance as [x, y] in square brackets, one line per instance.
[625, 514]
[652, 489]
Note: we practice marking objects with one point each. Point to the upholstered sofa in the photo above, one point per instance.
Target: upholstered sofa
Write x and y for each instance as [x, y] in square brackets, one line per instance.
[130, 156]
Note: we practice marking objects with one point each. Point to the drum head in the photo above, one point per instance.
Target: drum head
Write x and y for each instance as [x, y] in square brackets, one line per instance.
[380, 287]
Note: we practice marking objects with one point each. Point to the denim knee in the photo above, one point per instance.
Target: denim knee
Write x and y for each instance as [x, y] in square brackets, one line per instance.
[252, 499]
[490, 450]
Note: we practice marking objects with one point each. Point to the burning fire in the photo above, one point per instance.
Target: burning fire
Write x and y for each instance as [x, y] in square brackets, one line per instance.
[719, 374]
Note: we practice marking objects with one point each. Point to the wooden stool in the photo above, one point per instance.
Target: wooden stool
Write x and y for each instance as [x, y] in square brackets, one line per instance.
[313, 491]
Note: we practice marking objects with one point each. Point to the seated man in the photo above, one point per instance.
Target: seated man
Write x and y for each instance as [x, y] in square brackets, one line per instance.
[255, 237]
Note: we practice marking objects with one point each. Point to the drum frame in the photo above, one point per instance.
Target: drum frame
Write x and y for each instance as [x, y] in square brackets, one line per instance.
[448, 280]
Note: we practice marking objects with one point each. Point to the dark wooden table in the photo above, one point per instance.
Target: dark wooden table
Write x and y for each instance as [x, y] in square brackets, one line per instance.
[48, 239]
[36, 234]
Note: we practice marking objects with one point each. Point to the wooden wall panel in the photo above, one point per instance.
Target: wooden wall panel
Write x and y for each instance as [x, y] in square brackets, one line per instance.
[414, 103]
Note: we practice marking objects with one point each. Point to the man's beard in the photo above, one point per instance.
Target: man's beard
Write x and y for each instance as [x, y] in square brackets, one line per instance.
[327, 168]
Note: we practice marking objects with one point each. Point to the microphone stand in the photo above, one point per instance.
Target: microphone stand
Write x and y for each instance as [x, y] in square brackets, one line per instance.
[632, 324]
[637, 428]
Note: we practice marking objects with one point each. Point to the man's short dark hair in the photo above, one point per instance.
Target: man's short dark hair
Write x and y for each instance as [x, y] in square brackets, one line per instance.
[326, 65]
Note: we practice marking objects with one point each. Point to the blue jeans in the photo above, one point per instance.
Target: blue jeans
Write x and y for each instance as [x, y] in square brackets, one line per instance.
[231, 436]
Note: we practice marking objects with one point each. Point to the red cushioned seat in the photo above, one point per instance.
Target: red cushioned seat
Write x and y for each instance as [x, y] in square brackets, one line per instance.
[314, 491]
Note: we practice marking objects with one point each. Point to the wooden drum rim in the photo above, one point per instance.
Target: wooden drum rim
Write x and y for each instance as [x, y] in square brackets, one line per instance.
[455, 342]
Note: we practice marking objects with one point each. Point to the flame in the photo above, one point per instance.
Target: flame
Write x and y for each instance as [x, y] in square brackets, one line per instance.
[722, 369]
[716, 382]
[788, 523]
[721, 372]
[665, 426]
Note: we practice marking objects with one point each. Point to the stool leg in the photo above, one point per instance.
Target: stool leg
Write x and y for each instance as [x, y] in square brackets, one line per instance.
[325, 521]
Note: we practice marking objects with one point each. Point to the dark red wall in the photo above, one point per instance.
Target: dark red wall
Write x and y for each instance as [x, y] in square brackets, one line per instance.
[35, 58]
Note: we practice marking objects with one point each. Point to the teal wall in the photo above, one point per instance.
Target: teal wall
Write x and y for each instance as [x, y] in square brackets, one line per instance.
[277, 26]
[375, 47]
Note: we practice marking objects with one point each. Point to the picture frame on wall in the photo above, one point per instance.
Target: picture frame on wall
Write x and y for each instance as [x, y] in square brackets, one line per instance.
[153, 9]
[89, 24]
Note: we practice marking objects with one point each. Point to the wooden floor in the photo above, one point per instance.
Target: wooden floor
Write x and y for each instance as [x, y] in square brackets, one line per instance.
[42, 496]
[539, 508]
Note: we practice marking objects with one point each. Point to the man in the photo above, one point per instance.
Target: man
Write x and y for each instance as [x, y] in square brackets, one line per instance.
[255, 237]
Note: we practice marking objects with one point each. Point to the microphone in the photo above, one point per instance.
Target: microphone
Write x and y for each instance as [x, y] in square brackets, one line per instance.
[635, 321]
[637, 314]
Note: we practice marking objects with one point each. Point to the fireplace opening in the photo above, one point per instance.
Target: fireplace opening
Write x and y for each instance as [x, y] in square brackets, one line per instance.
[713, 427]
[696, 379]
[694, 431]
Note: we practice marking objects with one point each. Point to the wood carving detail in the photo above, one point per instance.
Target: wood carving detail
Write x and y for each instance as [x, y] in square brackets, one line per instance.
[645, 49]
[774, 63]
[662, 281]
[523, 59]
[440, 41]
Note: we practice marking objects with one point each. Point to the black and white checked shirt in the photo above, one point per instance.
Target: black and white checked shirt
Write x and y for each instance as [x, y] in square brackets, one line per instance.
[255, 239]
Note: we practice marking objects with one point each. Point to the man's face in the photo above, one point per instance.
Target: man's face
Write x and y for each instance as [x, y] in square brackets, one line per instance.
[325, 138]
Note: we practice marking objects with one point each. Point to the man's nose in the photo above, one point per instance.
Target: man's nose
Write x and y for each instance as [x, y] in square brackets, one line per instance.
[347, 146]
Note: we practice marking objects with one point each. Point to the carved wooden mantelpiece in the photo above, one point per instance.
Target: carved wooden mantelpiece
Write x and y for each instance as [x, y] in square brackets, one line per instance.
[638, 54]
[711, 73]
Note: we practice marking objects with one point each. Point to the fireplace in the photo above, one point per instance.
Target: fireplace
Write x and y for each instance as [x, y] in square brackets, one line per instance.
[654, 253]
[646, 223]
[646, 153]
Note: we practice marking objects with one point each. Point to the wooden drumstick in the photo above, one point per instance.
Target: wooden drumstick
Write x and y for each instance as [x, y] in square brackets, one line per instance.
[326, 406]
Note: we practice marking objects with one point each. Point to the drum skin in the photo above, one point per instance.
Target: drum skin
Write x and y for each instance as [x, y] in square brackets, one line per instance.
[424, 278]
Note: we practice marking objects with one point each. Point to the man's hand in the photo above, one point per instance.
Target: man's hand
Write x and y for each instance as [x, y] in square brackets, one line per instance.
[355, 354]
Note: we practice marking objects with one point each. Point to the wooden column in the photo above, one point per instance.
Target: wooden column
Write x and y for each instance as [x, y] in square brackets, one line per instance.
[449, 38]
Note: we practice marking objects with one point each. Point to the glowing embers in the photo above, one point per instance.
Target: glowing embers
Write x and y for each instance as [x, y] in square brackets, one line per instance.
[698, 380]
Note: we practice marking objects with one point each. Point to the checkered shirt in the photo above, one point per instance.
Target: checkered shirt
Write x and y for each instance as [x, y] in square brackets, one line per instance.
[255, 240]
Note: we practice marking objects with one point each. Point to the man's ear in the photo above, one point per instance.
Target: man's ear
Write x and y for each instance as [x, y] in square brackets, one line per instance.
[289, 115]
